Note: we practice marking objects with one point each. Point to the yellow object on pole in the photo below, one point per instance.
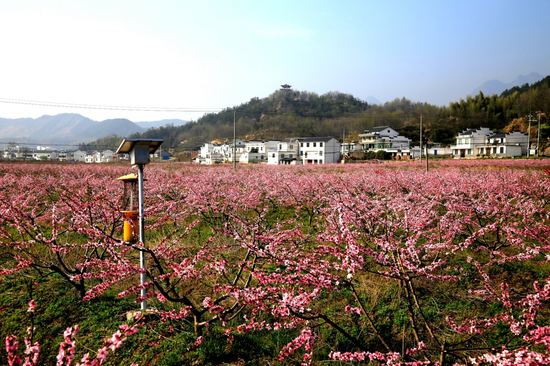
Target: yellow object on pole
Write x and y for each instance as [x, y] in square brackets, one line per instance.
[129, 203]
[131, 226]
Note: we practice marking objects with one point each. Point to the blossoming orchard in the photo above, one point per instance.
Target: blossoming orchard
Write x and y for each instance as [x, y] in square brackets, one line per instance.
[363, 264]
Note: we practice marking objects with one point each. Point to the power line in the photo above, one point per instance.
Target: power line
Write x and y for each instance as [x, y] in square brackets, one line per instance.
[107, 107]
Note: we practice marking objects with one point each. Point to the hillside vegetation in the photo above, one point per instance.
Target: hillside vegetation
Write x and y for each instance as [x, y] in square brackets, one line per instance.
[292, 113]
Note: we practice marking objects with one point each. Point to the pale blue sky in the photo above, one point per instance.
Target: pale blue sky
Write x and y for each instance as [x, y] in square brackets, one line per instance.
[218, 54]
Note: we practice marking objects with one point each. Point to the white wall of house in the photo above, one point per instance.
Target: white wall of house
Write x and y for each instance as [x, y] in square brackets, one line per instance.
[500, 151]
[252, 157]
[504, 145]
[383, 138]
[213, 158]
[400, 142]
[285, 152]
[271, 148]
[204, 153]
[484, 142]
[258, 146]
[440, 151]
[407, 154]
[517, 138]
[44, 155]
[80, 155]
[468, 141]
[319, 150]
[347, 148]
[107, 156]
[90, 157]
[254, 152]
[245, 152]
[65, 155]
[232, 151]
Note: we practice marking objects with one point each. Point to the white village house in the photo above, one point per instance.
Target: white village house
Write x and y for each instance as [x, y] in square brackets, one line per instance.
[469, 140]
[387, 139]
[271, 148]
[254, 152]
[306, 150]
[348, 148]
[483, 142]
[210, 153]
[284, 152]
[319, 150]
[504, 145]
[383, 138]
[44, 155]
[232, 150]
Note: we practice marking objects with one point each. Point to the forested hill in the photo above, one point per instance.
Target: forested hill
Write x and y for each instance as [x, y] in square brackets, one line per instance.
[285, 113]
[291, 113]
[526, 87]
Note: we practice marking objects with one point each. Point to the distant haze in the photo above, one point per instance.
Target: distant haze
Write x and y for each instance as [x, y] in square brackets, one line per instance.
[70, 129]
[488, 88]
[497, 87]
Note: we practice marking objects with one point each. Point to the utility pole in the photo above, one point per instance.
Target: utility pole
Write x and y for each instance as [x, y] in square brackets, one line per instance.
[426, 158]
[343, 142]
[538, 136]
[420, 137]
[529, 135]
[234, 142]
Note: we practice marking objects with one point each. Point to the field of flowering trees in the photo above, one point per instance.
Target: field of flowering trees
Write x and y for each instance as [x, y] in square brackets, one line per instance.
[363, 264]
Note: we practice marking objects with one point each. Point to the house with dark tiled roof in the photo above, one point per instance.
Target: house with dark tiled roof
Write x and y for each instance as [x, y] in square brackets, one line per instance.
[504, 145]
[383, 138]
[468, 141]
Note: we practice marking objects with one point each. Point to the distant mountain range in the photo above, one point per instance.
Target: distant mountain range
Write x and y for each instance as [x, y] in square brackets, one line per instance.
[497, 87]
[71, 129]
[373, 100]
